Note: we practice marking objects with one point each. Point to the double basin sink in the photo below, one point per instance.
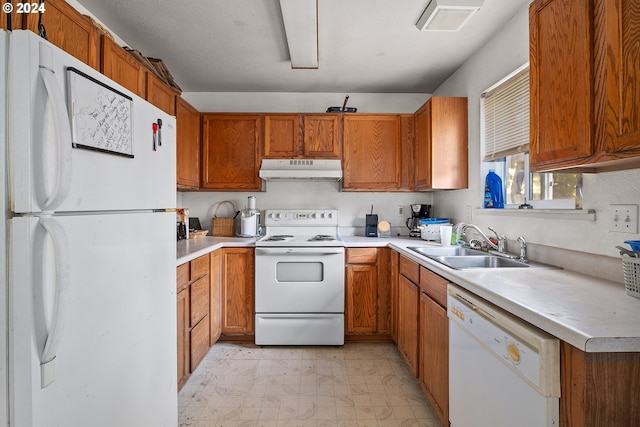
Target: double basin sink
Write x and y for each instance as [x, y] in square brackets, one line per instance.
[460, 258]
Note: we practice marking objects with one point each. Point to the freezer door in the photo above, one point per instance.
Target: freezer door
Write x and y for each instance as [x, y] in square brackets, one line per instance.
[46, 173]
[94, 296]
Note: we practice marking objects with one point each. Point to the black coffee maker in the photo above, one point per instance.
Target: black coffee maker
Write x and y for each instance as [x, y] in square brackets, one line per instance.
[417, 213]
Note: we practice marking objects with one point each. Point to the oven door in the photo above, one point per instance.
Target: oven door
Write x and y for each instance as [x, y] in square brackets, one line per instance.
[299, 280]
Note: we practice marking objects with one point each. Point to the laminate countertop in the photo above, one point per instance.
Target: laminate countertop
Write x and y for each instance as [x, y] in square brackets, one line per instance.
[592, 314]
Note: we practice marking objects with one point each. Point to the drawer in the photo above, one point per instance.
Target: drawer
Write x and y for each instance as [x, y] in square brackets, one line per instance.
[199, 297]
[362, 255]
[182, 276]
[199, 342]
[410, 269]
[434, 286]
[199, 267]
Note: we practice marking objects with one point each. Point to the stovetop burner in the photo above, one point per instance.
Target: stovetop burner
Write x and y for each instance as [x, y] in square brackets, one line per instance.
[278, 238]
[322, 238]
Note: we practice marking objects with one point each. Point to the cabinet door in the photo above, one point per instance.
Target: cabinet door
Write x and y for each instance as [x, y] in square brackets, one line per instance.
[215, 297]
[408, 301]
[282, 136]
[237, 291]
[561, 74]
[371, 152]
[422, 123]
[199, 296]
[69, 30]
[393, 295]
[434, 356]
[622, 35]
[322, 136]
[199, 342]
[187, 145]
[160, 95]
[121, 67]
[183, 337]
[361, 308]
[441, 135]
[230, 150]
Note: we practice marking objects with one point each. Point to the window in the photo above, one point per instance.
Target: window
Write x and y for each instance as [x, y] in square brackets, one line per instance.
[505, 132]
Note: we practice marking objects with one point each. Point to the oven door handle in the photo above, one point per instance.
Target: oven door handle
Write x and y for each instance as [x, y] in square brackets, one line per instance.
[300, 251]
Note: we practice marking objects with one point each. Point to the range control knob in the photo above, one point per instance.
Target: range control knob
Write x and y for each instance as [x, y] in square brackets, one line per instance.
[514, 352]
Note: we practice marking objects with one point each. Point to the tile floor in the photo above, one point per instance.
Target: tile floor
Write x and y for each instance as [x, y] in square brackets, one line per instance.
[359, 384]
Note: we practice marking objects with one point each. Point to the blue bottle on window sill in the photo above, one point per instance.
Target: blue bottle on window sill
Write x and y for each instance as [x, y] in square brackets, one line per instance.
[493, 198]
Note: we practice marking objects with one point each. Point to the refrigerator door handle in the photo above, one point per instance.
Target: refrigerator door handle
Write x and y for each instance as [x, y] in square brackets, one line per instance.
[62, 280]
[63, 131]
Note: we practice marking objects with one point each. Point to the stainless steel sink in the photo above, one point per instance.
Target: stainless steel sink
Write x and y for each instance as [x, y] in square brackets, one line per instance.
[486, 261]
[460, 258]
[438, 251]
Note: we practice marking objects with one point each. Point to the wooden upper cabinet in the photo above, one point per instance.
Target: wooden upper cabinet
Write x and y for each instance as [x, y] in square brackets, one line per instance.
[561, 81]
[371, 152]
[121, 67]
[69, 30]
[622, 71]
[282, 135]
[302, 135]
[321, 136]
[441, 144]
[159, 94]
[231, 152]
[585, 105]
[187, 145]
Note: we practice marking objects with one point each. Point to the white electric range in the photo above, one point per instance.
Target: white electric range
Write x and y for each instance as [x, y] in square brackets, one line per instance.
[299, 295]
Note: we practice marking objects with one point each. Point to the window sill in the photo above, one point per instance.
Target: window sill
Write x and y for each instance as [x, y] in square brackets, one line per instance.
[568, 214]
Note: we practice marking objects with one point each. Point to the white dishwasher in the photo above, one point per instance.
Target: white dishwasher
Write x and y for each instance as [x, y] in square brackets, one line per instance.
[503, 372]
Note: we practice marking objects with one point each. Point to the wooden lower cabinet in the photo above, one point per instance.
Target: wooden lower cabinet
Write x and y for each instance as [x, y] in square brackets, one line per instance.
[215, 296]
[367, 305]
[434, 355]
[192, 298]
[237, 293]
[183, 337]
[598, 389]
[408, 313]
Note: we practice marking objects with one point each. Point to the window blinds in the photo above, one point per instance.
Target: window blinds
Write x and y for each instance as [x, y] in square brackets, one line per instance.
[506, 116]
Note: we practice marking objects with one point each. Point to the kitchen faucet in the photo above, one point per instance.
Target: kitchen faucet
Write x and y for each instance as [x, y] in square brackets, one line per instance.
[497, 249]
[523, 249]
[462, 229]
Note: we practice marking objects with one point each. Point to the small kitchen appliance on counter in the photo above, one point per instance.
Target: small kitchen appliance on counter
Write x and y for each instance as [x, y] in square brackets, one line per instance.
[418, 212]
[371, 224]
[250, 219]
[299, 287]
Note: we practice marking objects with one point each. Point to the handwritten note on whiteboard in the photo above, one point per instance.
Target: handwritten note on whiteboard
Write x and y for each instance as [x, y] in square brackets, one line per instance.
[101, 116]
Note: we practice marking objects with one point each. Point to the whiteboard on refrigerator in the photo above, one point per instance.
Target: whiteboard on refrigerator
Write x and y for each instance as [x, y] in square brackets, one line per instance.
[101, 116]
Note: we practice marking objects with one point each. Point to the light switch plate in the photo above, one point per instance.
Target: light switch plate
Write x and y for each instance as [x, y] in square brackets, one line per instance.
[623, 218]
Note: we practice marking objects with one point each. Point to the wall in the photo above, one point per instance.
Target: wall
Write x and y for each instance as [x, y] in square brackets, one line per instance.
[294, 195]
[504, 53]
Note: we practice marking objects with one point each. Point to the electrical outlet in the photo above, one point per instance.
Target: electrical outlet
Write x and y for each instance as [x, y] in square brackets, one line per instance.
[468, 214]
[624, 218]
[400, 210]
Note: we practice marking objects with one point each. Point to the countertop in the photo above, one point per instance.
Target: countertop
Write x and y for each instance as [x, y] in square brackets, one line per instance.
[592, 314]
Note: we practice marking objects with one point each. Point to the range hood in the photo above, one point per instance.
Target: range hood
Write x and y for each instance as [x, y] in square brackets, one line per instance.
[301, 169]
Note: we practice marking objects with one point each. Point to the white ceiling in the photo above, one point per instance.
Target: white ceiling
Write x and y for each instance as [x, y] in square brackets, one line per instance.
[240, 45]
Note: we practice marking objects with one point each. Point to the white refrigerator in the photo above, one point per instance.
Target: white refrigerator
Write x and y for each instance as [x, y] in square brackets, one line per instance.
[90, 248]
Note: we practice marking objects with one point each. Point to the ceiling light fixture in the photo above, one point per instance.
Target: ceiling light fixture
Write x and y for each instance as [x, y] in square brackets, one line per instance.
[301, 27]
[447, 15]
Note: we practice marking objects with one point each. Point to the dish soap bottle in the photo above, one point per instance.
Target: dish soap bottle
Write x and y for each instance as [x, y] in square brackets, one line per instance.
[493, 191]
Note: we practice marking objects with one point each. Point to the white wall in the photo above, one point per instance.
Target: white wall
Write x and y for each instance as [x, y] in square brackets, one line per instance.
[299, 195]
[504, 53]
